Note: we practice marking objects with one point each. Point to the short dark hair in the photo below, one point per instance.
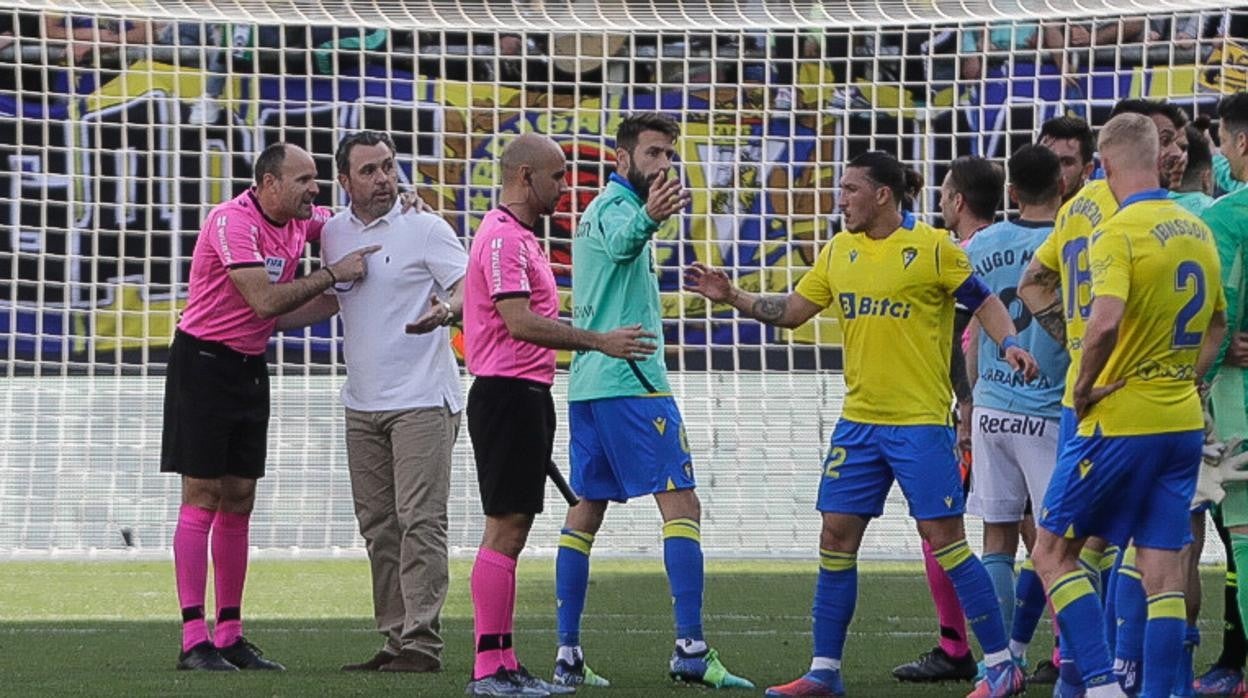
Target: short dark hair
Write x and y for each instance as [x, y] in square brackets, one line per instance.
[1233, 111]
[1151, 107]
[1199, 157]
[1065, 127]
[634, 125]
[979, 181]
[342, 158]
[887, 171]
[1036, 174]
[914, 188]
[270, 161]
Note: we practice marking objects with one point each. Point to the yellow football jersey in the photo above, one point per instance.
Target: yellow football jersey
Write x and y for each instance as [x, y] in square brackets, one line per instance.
[1066, 251]
[1162, 261]
[894, 300]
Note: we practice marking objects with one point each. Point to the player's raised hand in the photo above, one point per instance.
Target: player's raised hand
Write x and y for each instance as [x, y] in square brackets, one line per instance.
[709, 282]
[667, 197]
[626, 343]
[1022, 361]
[352, 266]
[436, 316]
[1084, 402]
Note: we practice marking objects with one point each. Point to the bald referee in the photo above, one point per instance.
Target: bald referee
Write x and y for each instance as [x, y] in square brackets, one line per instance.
[216, 412]
[511, 332]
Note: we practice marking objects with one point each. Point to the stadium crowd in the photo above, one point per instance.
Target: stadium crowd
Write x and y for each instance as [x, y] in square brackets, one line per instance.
[922, 59]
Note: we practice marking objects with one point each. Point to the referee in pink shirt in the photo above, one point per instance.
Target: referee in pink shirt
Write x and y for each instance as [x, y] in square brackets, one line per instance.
[216, 412]
[511, 332]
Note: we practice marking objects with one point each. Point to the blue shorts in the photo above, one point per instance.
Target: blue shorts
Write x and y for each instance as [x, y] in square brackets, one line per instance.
[624, 447]
[863, 460]
[1067, 429]
[1125, 488]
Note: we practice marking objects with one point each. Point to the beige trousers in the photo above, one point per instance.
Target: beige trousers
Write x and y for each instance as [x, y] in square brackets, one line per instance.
[400, 464]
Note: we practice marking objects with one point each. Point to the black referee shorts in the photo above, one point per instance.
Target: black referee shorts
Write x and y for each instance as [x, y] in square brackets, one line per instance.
[216, 411]
[511, 422]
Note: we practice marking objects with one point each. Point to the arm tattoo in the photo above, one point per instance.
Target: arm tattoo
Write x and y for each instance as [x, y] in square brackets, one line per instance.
[769, 309]
[1045, 278]
[1053, 322]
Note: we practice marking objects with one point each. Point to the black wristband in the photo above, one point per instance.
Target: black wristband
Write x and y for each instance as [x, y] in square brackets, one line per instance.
[332, 279]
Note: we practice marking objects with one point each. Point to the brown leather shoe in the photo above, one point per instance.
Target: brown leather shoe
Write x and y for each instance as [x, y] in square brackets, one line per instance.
[413, 661]
[378, 661]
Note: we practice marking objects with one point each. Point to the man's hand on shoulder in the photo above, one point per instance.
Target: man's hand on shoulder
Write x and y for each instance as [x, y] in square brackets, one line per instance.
[411, 200]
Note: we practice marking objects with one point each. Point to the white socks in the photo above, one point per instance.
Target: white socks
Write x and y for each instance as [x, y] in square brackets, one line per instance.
[825, 664]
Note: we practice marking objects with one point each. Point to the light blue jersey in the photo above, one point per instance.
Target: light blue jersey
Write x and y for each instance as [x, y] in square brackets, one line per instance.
[999, 254]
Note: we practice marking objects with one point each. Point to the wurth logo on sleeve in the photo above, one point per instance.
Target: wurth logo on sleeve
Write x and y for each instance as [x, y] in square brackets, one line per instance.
[496, 266]
[223, 240]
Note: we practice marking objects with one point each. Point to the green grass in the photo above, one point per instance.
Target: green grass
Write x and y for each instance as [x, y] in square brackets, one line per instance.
[110, 628]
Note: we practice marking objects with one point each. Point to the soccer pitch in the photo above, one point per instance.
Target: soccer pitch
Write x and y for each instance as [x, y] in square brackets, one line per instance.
[110, 628]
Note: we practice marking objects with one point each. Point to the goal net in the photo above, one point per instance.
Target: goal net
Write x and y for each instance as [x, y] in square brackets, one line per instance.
[122, 123]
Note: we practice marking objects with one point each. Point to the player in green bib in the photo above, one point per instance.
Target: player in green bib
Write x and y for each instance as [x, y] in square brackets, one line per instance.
[628, 438]
[1228, 219]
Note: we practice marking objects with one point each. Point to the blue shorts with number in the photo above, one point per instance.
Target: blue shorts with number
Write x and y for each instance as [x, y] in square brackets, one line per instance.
[1125, 488]
[864, 459]
[624, 447]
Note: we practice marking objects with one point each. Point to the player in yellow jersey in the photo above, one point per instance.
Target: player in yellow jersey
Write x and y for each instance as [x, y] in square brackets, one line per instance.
[1154, 325]
[1063, 259]
[893, 281]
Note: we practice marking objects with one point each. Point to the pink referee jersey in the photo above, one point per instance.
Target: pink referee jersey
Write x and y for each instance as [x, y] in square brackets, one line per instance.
[506, 261]
[237, 234]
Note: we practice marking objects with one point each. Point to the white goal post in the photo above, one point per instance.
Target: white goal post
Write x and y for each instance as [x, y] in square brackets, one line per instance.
[123, 122]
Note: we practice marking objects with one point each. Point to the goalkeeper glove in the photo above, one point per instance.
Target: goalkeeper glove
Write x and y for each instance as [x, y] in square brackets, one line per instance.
[1221, 463]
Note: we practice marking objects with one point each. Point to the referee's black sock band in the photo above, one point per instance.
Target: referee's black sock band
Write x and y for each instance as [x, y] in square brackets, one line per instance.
[191, 613]
[494, 642]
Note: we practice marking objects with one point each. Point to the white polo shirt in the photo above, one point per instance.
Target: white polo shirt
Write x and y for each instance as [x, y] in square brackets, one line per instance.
[388, 369]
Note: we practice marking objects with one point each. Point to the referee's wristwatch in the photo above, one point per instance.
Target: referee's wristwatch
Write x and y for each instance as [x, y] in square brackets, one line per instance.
[450, 314]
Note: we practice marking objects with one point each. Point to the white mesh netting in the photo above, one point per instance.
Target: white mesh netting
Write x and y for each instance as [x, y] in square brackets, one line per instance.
[122, 123]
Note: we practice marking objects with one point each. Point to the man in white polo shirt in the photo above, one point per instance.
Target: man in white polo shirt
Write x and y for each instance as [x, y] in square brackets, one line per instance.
[402, 396]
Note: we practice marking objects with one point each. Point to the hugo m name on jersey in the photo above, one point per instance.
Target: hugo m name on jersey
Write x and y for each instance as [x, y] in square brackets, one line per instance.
[1003, 258]
[854, 305]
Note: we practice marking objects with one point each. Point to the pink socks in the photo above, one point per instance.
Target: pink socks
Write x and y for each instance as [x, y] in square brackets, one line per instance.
[230, 544]
[948, 611]
[190, 566]
[493, 603]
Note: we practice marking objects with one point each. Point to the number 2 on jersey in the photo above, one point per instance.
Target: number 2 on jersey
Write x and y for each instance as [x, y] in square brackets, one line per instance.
[1188, 275]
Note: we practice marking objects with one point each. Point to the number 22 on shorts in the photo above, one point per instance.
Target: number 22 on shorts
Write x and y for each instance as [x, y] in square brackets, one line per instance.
[836, 456]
